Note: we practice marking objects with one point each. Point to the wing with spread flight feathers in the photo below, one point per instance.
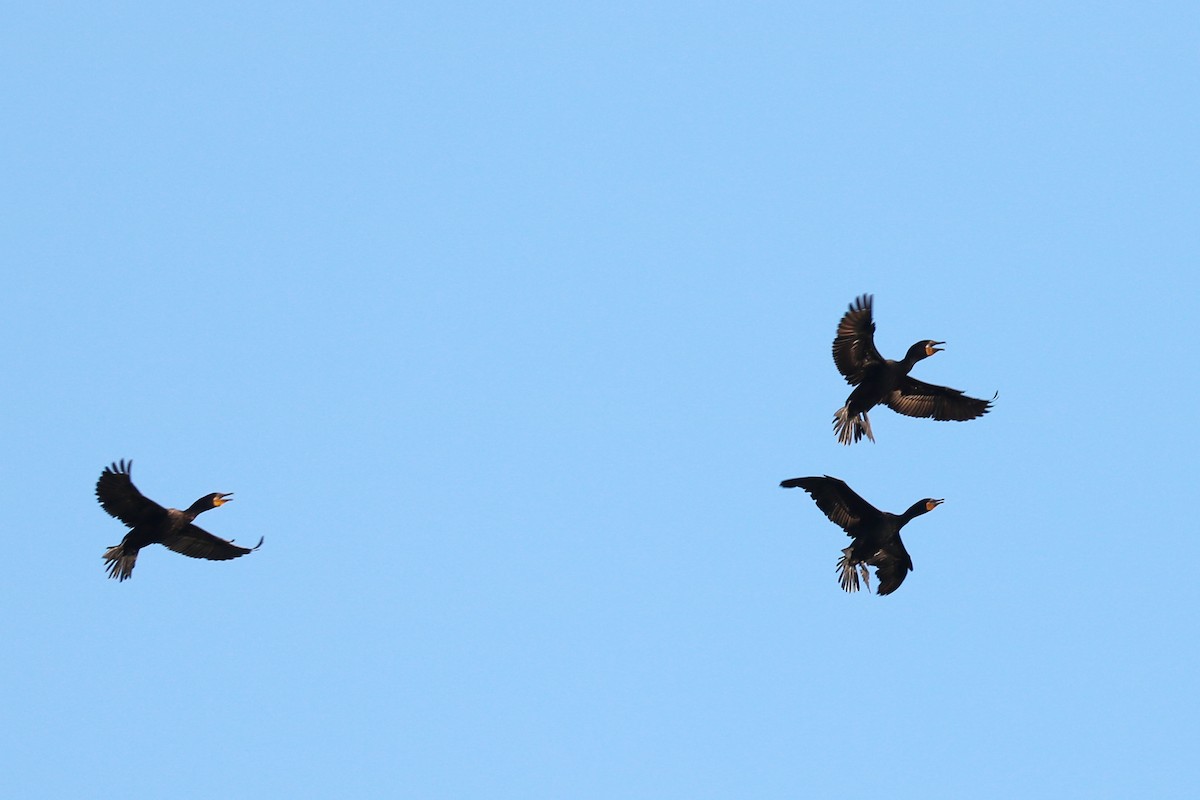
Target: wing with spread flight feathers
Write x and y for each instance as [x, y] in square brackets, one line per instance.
[854, 347]
[199, 543]
[916, 398]
[120, 498]
[838, 501]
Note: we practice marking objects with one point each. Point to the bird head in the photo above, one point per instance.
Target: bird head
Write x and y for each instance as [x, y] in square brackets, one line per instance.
[924, 349]
[922, 507]
[213, 500]
[208, 502]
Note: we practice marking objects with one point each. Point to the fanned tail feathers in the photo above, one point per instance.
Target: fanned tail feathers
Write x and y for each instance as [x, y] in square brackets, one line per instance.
[848, 574]
[119, 563]
[851, 429]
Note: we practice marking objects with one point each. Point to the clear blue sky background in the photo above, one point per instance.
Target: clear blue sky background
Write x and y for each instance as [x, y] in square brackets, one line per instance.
[503, 322]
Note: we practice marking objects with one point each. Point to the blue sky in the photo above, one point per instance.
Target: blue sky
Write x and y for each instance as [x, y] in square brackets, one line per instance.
[504, 322]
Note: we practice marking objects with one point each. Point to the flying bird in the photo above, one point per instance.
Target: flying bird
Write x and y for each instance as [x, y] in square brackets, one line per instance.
[881, 380]
[875, 534]
[151, 524]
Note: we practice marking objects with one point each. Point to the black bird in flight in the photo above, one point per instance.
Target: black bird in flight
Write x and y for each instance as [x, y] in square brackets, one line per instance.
[875, 535]
[881, 380]
[151, 523]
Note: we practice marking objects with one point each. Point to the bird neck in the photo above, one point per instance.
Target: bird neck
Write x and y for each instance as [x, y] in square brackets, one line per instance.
[197, 508]
[914, 354]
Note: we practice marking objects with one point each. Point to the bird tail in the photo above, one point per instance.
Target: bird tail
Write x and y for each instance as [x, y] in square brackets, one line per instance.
[119, 563]
[851, 429]
[848, 574]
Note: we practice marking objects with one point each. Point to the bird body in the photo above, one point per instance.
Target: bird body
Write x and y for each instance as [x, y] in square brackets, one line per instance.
[875, 535]
[151, 523]
[882, 380]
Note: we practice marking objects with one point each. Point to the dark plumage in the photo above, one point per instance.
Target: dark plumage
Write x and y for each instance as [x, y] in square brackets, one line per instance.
[875, 534]
[151, 523]
[881, 380]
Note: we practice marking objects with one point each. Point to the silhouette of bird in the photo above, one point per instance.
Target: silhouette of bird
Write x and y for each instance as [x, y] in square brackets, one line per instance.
[875, 534]
[151, 524]
[881, 380]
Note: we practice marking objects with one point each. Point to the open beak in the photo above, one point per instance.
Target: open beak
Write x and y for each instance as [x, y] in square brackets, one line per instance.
[933, 350]
[224, 498]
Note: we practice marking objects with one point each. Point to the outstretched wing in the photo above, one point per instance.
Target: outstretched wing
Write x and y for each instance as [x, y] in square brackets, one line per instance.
[892, 565]
[916, 398]
[854, 346]
[120, 498]
[840, 503]
[199, 543]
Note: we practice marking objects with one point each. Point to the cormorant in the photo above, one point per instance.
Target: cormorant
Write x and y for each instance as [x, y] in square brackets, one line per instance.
[881, 380]
[875, 534]
[152, 523]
